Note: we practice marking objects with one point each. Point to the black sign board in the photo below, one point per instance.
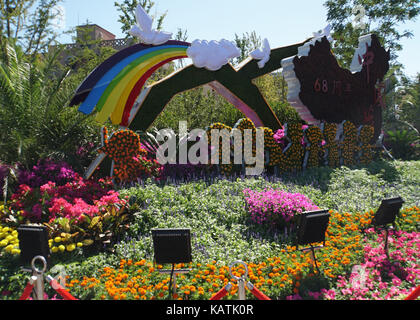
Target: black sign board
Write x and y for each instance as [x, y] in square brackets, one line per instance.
[312, 227]
[388, 211]
[172, 245]
[33, 241]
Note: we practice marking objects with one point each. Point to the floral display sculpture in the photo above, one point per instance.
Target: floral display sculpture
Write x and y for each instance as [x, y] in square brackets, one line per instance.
[321, 90]
[130, 159]
[247, 124]
[294, 152]
[275, 152]
[224, 130]
[309, 146]
[349, 143]
[118, 89]
[366, 148]
[331, 148]
[314, 150]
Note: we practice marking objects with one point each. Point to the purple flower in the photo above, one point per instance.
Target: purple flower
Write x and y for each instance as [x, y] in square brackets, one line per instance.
[47, 171]
[294, 297]
[37, 212]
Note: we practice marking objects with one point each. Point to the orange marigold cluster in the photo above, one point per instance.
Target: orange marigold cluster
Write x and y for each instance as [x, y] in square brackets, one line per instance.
[130, 161]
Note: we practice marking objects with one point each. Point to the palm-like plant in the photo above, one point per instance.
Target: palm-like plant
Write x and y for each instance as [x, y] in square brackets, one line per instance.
[34, 119]
[402, 143]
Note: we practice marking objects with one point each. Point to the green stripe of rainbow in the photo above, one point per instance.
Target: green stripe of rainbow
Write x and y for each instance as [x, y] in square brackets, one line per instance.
[117, 89]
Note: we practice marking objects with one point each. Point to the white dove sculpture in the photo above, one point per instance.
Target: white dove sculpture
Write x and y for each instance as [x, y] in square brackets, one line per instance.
[143, 29]
[324, 33]
[262, 54]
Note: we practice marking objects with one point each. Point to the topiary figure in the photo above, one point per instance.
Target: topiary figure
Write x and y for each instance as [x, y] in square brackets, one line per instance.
[314, 150]
[294, 152]
[349, 144]
[365, 144]
[130, 161]
[331, 148]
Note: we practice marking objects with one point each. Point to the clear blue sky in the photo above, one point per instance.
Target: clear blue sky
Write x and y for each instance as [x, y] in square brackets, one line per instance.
[281, 22]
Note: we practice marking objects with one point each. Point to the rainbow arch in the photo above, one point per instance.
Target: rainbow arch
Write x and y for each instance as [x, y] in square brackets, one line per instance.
[113, 87]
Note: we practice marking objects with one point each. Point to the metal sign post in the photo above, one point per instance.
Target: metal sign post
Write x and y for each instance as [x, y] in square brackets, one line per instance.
[240, 280]
[313, 257]
[38, 277]
[175, 272]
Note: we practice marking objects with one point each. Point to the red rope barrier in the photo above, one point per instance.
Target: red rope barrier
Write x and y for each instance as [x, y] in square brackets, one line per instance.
[60, 290]
[222, 293]
[257, 293]
[414, 295]
[28, 290]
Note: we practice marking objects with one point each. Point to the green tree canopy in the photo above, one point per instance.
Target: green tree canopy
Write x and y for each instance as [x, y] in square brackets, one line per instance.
[384, 17]
[28, 24]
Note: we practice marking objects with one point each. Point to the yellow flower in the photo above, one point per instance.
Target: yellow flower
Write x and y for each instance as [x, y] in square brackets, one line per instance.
[62, 248]
[71, 247]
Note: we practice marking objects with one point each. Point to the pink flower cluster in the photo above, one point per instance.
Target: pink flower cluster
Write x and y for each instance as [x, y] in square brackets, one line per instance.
[276, 207]
[73, 200]
[281, 138]
[380, 277]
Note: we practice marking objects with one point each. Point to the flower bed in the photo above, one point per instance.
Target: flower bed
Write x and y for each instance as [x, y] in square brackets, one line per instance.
[222, 232]
[290, 275]
[77, 212]
[380, 277]
[276, 208]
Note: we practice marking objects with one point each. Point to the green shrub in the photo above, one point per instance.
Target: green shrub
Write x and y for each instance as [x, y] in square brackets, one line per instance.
[403, 144]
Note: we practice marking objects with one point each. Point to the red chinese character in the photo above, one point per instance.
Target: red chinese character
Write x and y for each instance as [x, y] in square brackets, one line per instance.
[368, 59]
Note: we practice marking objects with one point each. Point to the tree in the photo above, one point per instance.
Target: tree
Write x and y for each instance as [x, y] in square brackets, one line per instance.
[383, 17]
[13, 16]
[408, 104]
[27, 23]
[247, 43]
[34, 120]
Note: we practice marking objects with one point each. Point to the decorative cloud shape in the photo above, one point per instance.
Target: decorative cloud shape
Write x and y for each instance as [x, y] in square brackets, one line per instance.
[212, 55]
